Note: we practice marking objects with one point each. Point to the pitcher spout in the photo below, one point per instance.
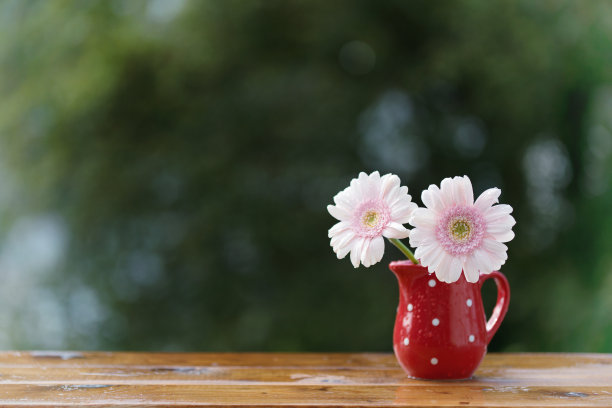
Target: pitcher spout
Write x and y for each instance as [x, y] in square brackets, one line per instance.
[399, 267]
[405, 271]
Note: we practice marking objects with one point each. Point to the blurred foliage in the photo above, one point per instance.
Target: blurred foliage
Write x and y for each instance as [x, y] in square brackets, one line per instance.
[165, 165]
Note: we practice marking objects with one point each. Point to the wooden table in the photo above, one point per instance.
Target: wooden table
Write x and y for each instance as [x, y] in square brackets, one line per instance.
[291, 380]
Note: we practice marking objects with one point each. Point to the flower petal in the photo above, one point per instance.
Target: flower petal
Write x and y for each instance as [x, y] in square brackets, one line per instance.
[500, 233]
[389, 183]
[497, 212]
[487, 199]
[364, 256]
[423, 218]
[500, 225]
[344, 250]
[338, 228]
[358, 187]
[428, 253]
[436, 260]
[447, 190]
[346, 198]
[443, 268]
[497, 251]
[374, 184]
[395, 230]
[432, 198]
[339, 213]
[376, 250]
[500, 222]
[356, 251]
[402, 211]
[461, 189]
[484, 260]
[342, 239]
[400, 194]
[422, 236]
[470, 270]
[455, 269]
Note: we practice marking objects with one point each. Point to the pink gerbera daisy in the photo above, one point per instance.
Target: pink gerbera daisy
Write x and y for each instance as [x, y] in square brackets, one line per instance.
[455, 234]
[371, 208]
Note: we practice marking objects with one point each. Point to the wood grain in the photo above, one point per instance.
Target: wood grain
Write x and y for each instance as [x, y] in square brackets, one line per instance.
[292, 380]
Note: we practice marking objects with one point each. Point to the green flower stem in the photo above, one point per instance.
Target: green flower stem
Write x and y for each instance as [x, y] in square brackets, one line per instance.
[404, 250]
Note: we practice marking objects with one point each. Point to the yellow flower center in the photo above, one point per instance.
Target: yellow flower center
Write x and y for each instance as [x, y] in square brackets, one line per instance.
[370, 219]
[460, 229]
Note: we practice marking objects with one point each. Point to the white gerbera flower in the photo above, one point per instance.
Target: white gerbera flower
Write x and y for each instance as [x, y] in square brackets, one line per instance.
[454, 233]
[371, 208]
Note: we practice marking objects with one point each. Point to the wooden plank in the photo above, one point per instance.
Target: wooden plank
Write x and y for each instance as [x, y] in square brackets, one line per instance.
[451, 395]
[581, 375]
[319, 360]
[369, 361]
[294, 379]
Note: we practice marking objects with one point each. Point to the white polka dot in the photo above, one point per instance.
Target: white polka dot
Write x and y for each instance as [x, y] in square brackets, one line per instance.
[410, 307]
[432, 283]
[471, 338]
[469, 302]
[435, 321]
[406, 341]
[434, 361]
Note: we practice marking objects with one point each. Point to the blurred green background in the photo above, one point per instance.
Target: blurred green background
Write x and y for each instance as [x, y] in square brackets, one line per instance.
[165, 165]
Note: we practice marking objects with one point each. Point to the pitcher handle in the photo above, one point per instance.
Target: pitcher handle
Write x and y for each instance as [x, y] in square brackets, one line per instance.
[503, 300]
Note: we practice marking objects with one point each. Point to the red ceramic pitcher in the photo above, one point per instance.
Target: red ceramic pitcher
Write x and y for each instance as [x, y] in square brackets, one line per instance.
[441, 330]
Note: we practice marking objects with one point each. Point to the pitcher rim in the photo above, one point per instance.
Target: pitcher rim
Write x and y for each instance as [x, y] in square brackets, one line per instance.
[406, 263]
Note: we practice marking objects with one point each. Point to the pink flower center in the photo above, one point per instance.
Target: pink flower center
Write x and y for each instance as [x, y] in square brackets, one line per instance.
[460, 230]
[370, 218]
